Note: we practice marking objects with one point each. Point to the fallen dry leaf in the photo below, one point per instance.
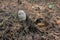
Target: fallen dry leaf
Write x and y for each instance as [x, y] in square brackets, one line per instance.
[41, 24]
[58, 22]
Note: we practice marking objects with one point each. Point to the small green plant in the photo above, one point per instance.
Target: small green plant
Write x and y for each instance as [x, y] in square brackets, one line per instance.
[51, 6]
[13, 14]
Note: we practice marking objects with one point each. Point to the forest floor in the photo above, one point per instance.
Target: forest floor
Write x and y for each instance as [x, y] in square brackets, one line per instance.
[43, 20]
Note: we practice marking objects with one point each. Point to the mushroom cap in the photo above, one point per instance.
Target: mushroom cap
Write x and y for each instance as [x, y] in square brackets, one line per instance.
[21, 15]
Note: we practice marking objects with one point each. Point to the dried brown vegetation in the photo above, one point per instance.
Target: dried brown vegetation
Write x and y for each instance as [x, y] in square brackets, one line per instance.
[42, 23]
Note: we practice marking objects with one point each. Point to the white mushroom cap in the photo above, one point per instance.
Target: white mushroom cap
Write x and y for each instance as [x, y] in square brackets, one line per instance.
[21, 15]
